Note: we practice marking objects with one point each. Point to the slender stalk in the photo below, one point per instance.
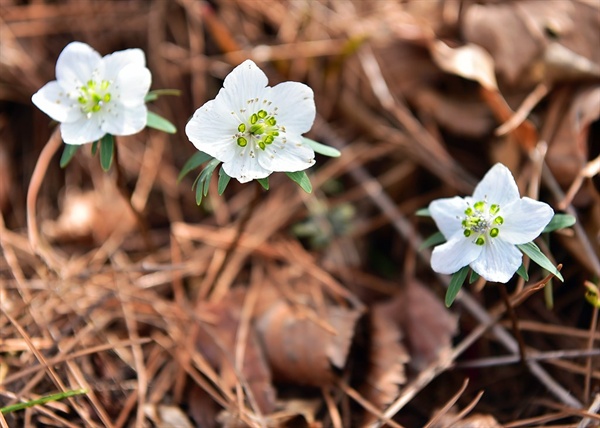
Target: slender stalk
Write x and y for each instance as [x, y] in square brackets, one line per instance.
[38, 245]
[515, 322]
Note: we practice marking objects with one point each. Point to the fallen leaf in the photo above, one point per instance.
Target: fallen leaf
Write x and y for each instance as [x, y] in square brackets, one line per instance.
[301, 351]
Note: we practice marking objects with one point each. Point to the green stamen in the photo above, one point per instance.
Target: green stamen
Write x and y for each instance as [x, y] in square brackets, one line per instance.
[494, 208]
[242, 142]
[242, 127]
[498, 220]
[480, 240]
[494, 232]
[467, 232]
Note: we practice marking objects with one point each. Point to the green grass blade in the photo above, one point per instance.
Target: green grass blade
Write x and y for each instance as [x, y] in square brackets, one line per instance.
[300, 178]
[158, 122]
[536, 255]
[456, 283]
[67, 154]
[107, 151]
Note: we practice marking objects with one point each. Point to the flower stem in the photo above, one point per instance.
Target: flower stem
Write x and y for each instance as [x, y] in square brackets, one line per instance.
[515, 322]
[38, 244]
[218, 290]
[126, 194]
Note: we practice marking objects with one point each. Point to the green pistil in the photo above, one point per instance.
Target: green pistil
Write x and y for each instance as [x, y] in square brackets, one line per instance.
[262, 129]
[481, 221]
[93, 96]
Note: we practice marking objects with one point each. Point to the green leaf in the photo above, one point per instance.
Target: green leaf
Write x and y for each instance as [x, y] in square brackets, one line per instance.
[435, 239]
[522, 272]
[300, 178]
[264, 182]
[158, 122]
[153, 95]
[42, 400]
[473, 277]
[107, 149]
[322, 149]
[94, 148]
[456, 283]
[194, 162]
[536, 255]
[423, 212]
[203, 181]
[559, 221]
[68, 153]
[223, 181]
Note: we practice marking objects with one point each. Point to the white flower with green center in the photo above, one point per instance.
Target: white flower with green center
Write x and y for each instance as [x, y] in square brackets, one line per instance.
[255, 129]
[93, 95]
[482, 231]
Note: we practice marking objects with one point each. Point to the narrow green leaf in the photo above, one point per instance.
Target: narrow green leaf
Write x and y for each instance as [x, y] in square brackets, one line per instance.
[158, 122]
[435, 239]
[456, 283]
[67, 154]
[423, 212]
[322, 149]
[107, 149]
[94, 148]
[473, 277]
[559, 221]
[264, 182]
[204, 180]
[42, 400]
[300, 178]
[536, 255]
[153, 95]
[522, 272]
[194, 162]
[199, 190]
[223, 181]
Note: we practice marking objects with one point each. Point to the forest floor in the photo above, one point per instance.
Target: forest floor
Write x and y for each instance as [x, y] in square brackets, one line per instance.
[286, 308]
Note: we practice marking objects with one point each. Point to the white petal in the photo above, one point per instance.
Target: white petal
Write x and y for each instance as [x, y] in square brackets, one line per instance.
[132, 84]
[244, 84]
[124, 121]
[498, 186]
[244, 166]
[115, 62]
[290, 156]
[448, 214]
[296, 106]
[454, 254]
[498, 261]
[524, 220]
[212, 131]
[52, 100]
[77, 64]
[82, 131]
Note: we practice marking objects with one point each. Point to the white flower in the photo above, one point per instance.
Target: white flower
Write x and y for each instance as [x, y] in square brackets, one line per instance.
[482, 231]
[255, 129]
[94, 95]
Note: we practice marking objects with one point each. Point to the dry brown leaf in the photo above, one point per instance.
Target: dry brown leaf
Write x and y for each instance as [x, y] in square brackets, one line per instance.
[568, 151]
[301, 351]
[90, 215]
[470, 61]
[427, 324]
[218, 341]
[387, 358]
[163, 416]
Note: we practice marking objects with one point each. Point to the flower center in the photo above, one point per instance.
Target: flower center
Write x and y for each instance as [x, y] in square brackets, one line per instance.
[482, 220]
[261, 129]
[93, 95]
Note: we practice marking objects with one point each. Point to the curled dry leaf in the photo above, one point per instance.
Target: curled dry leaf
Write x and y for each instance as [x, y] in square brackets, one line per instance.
[569, 149]
[164, 416]
[387, 358]
[427, 324]
[300, 350]
[90, 215]
[470, 61]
